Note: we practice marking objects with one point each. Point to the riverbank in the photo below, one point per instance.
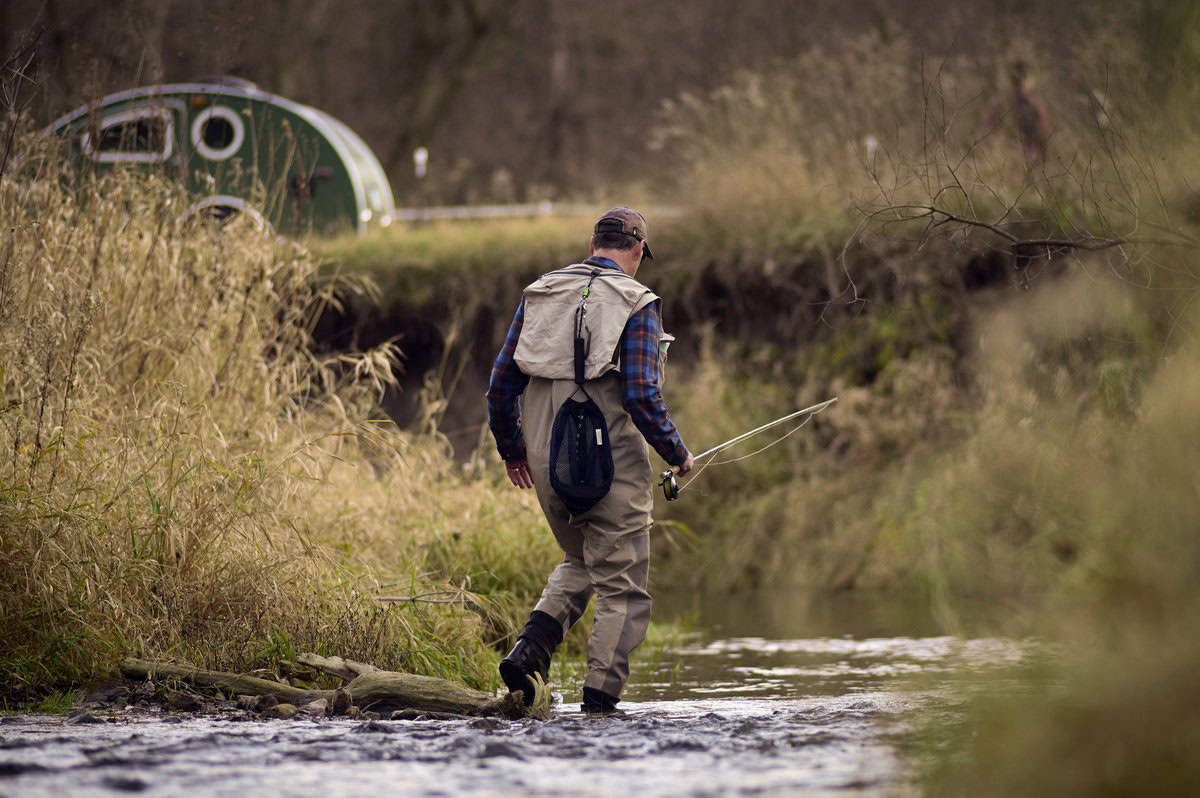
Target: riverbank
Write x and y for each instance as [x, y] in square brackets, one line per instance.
[185, 479]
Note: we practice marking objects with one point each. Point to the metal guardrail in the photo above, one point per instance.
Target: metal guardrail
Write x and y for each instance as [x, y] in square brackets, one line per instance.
[543, 208]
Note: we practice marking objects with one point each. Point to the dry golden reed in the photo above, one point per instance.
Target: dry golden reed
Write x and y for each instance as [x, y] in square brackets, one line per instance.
[181, 477]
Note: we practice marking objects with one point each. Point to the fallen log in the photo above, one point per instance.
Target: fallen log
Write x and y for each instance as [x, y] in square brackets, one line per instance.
[374, 690]
[388, 691]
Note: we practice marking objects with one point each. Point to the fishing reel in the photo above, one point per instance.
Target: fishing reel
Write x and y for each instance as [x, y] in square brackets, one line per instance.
[669, 485]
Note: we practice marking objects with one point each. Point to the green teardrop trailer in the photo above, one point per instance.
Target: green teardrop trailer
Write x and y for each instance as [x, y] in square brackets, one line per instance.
[239, 149]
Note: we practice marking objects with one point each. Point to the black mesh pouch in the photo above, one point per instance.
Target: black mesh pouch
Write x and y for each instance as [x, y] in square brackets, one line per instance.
[581, 464]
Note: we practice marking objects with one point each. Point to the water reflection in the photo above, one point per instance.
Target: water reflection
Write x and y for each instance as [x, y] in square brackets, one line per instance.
[822, 666]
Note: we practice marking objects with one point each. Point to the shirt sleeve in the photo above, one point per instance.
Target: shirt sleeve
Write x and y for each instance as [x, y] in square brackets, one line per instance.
[641, 396]
[504, 392]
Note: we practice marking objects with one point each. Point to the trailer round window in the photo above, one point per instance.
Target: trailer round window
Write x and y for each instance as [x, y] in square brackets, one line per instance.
[217, 132]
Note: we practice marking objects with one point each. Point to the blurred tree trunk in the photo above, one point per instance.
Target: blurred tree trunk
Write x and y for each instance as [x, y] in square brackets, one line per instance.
[9, 33]
[300, 67]
[148, 21]
[88, 46]
[59, 73]
[1171, 42]
[556, 119]
[449, 40]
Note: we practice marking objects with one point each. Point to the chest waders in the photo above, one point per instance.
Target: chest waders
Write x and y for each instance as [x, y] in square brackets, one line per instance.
[581, 463]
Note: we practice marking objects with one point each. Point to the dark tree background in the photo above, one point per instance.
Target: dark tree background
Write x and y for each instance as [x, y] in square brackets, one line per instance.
[515, 99]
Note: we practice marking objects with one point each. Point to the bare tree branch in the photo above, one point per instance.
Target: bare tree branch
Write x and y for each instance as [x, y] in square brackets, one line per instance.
[941, 216]
[14, 75]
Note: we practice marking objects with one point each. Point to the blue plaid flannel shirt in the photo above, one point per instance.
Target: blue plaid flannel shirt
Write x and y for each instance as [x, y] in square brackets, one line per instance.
[640, 394]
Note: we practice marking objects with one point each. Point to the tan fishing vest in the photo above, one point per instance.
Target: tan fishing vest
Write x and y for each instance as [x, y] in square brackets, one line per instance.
[546, 346]
[545, 351]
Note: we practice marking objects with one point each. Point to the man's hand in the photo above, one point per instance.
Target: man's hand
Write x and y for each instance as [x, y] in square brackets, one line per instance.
[687, 465]
[520, 474]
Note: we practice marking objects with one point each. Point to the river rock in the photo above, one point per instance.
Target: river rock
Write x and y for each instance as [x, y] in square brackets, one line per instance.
[265, 702]
[247, 702]
[423, 714]
[142, 693]
[106, 694]
[10, 769]
[182, 701]
[315, 708]
[340, 704]
[81, 716]
[487, 724]
[125, 783]
[281, 711]
[497, 748]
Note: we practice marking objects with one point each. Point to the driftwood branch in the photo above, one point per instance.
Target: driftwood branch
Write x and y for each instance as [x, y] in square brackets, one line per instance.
[232, 683]
[345, 669]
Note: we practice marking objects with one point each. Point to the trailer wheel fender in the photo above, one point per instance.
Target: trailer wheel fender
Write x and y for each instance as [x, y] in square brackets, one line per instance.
[222, 209]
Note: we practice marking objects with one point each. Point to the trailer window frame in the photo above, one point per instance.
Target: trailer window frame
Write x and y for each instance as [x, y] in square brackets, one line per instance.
[218, 153]
[125, 116]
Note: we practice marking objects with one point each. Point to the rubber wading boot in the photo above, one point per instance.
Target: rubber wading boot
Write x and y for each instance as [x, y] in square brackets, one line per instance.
[597, 702]
[531, 655]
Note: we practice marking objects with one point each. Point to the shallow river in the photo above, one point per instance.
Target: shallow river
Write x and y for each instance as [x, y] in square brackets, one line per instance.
[769, 700]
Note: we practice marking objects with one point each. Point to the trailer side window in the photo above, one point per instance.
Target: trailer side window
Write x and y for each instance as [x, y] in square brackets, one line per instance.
[144, 135]
[218, 132]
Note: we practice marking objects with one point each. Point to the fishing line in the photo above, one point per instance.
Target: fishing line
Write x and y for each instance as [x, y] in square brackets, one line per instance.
[671, 488]
[715, 461]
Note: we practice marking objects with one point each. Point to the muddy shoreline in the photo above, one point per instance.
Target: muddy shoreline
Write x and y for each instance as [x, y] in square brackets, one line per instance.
[120, 700]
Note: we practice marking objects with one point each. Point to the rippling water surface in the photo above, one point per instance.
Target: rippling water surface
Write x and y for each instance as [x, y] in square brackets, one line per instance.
[775, 713]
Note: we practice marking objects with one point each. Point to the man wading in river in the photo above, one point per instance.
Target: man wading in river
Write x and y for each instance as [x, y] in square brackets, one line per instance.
[583, 356]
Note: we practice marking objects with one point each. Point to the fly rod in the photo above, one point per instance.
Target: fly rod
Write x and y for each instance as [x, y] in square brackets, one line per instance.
[671, 487]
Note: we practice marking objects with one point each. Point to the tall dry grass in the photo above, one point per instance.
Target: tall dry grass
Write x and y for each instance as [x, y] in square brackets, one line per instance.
[1021, 446]
[1073, 506]
[790, 159]
[181, 478]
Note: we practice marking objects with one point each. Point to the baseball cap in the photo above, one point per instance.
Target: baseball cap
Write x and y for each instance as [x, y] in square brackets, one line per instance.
[627, 221]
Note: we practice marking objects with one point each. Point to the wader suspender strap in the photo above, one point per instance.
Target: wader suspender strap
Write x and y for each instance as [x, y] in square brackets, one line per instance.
[582, 345]
[581, 464]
